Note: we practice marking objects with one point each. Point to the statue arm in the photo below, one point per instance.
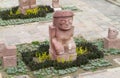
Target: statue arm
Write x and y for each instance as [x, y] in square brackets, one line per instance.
[58, 46]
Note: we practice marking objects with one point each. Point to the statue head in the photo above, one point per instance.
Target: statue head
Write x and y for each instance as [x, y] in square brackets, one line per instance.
[25, 1]
[112, 33]
[63, 20]
[55, 0]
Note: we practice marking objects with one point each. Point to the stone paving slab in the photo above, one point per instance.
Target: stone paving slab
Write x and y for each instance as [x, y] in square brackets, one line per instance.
[109, 73]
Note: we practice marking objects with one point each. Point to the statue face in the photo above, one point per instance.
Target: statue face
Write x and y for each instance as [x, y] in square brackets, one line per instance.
[64, 23]
[112, 33]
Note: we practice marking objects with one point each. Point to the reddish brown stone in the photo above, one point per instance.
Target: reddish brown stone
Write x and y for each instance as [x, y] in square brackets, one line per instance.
[55, 4]
[26, 4]
[112, 33]
[23, 6]
[2, 48]
[9, 61]
[61, 36]
[10, 51]
[32, 3]
[59, 14]
[112, 41]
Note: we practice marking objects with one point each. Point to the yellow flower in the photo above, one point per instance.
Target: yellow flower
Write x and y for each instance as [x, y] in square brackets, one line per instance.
[81, 51]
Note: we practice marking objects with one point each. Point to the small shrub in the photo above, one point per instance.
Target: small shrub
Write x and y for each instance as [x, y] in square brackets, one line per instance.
[86, 51]
[42, 57]
[14, 13]
[20, 69]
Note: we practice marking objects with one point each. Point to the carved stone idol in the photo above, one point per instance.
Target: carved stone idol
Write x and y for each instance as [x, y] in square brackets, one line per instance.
[26, 4]
[62, 45]
[112, 33]
[112, 41]
[55, 5]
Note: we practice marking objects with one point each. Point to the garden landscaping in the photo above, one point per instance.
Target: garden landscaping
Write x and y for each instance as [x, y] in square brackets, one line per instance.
[12, 16]
[34, 59]
[91, 56]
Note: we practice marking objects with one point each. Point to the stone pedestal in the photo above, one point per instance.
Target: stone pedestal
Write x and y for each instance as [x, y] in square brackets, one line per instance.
[9, 61]
[111, 43]
[10, 51]
[8, 55]
[62, 45]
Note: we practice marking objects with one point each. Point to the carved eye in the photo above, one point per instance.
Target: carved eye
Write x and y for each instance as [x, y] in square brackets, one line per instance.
[63, 21]
[70, 20]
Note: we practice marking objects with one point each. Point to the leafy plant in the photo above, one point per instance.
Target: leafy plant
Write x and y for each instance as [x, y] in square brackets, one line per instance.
[113, 51]
[14, 13]
[86, 51]
[81, 51]
[95, 64]
[20, 69]
[42, 57]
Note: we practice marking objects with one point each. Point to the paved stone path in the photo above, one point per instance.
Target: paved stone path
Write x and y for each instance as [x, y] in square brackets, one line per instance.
[89, 23]
[109, 10]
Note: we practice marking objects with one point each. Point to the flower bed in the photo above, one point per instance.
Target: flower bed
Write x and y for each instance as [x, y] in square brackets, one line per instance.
[14, 13]
[40, 51]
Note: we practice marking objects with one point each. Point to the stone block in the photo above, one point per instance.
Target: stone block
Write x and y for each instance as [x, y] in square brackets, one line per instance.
[2, 48]
[9, 61]
[10, 51]
[111, 43]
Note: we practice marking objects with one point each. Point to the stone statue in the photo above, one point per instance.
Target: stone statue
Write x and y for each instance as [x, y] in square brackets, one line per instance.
[55, 4]
[62, 45]
[26, 4]
[112, 33]
[112, 41]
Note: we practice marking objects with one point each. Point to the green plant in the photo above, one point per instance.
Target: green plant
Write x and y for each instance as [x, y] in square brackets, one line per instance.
[20, 69]
[14, 13]
[81, 51]
[42, 57]
[87, 51]
[95, 64]
[113, 51]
